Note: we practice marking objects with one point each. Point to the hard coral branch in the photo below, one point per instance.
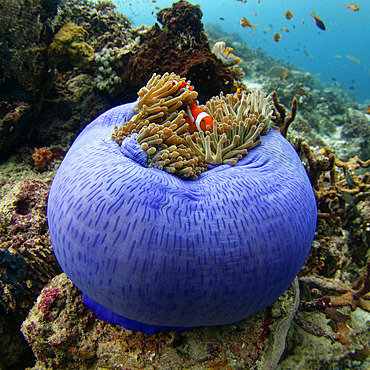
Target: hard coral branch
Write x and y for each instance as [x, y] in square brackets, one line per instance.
[353, 296]
[316, 165]
[312, 328]
[280, 113]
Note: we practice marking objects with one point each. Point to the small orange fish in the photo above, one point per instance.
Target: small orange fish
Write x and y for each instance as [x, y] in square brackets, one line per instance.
[284, 29]
[367, 111]
[288, 14]
[239, 92]
[198, 119]
[183, 85]
[245, 23]
[353, 7]
[277, 37]
[319, 23]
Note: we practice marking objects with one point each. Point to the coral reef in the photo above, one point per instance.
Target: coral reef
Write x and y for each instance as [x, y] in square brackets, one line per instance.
[48, 62]
[342, 192]
[64, 333]
[181, 46]
[47, 102]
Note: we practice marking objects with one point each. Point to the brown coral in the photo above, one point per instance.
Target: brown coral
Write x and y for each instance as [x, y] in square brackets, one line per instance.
[180, 45]
[41, 157]
[336, 193]
[357, 295]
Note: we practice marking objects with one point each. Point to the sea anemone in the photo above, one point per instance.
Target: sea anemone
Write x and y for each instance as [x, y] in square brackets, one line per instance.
[154, 251]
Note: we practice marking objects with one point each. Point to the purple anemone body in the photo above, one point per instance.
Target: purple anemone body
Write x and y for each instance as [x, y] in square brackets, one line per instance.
[151, 251]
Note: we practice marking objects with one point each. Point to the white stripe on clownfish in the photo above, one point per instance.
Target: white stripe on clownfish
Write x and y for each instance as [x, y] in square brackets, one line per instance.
[198, 118]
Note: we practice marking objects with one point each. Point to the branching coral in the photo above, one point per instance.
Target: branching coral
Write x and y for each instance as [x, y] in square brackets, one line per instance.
[335, 192]
[280, 113]
[162, 132]
[357, 295]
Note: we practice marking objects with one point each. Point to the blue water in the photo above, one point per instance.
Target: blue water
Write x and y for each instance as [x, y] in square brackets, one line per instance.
[347, 33]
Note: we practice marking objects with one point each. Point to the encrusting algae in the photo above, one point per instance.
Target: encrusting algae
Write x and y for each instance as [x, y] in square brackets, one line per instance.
[162, 129]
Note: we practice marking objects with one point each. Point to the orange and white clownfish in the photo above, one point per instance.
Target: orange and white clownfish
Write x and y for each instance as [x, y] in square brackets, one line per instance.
[198, 119]
[184, 84]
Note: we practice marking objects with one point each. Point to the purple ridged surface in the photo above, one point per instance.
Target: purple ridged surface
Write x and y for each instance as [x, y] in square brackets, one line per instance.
[164, 251]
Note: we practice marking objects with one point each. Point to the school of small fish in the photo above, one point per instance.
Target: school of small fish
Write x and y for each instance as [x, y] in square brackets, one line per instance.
[194, 111]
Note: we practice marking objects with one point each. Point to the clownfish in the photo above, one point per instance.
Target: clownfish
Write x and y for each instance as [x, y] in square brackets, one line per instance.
[182, 86]
[198, 119]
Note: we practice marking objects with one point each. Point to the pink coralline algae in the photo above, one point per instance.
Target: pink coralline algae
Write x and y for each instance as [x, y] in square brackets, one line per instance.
[26, 254]
[47, 298]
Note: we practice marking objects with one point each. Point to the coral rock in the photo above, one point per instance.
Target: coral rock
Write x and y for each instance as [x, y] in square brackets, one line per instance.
[64, 333]
[69, 46]
[26, 259]
[180, 46]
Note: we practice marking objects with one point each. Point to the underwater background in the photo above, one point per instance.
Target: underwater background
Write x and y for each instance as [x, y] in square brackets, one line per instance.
[63, 63]
[338, 55]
